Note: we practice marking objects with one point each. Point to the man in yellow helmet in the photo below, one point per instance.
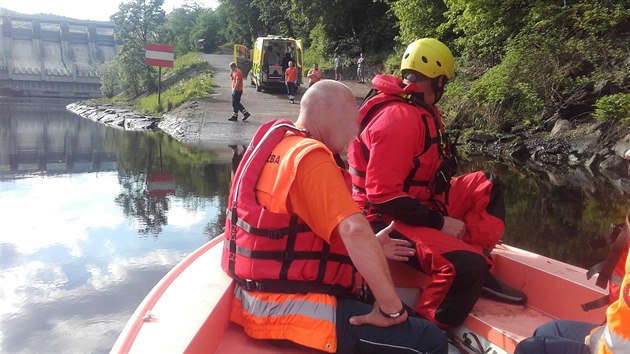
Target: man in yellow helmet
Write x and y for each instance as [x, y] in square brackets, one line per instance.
[403, 169]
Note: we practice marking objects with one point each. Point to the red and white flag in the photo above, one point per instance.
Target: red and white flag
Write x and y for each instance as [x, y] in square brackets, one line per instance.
[162, 55]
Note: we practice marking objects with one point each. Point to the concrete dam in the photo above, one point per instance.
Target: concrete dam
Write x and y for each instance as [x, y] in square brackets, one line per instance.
[53, 58]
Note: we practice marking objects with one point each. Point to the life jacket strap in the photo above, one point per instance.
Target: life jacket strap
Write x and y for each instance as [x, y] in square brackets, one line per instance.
[274, 234]
[356, 172]
[605, 269]
[284, 256]
[294, 287]
[595, 304]
[617, 250]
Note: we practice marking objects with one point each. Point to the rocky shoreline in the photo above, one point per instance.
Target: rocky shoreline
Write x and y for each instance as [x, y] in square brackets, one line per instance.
[113, 116]
[577, 153]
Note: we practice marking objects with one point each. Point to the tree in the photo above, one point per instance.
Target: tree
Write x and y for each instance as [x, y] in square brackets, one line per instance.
[207, 28]
[137, 22]
[418, 19]
[242, 24]
[180, 26]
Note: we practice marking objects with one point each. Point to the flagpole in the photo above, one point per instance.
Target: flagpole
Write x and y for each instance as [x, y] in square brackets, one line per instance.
[159, 83]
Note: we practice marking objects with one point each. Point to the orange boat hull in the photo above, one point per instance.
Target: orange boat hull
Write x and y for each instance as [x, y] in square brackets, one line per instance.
[188, 310]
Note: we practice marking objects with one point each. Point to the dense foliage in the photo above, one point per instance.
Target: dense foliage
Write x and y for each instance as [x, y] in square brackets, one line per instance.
[188, 28]
[518, 62]
[136, 22]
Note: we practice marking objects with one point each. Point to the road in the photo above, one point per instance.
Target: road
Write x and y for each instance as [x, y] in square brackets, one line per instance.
[207, 122]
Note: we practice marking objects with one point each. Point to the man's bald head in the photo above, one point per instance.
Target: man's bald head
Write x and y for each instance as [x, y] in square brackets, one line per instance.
[329, 112]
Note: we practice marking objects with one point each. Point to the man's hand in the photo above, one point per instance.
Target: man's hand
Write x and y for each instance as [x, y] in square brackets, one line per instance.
[375, 318]
[394, 249]
[454, 227]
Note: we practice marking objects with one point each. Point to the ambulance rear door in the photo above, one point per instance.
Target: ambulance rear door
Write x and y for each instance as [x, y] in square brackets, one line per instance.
[242, 59]
[299, 60]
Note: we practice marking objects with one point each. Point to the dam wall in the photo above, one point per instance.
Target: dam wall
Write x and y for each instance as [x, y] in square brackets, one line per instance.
[53, 58]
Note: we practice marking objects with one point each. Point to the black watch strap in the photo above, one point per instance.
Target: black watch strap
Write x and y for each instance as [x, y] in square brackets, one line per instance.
[393, 315]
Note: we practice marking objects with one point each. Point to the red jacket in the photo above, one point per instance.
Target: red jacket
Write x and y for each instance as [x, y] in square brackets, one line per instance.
[399, 149]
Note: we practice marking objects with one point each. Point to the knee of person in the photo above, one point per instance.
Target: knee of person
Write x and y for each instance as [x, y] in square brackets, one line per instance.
[533, 345]
[431, 339]
[548, 329]
[468, 263]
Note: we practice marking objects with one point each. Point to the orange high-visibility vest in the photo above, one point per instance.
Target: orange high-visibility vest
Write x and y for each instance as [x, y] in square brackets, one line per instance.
[614, 336]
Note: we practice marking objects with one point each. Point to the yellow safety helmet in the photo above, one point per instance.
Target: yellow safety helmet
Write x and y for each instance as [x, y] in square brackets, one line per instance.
[429, 57]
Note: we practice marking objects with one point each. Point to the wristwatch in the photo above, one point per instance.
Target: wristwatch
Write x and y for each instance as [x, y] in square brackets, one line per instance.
[393, 315]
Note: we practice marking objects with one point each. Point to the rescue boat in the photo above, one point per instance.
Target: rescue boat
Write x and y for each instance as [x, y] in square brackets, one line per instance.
[188, 310]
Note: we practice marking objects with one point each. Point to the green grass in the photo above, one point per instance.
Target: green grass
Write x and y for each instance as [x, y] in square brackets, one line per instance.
[190, 77]
[176, 95]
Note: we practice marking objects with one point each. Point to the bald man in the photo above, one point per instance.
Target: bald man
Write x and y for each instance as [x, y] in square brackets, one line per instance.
[301, 197]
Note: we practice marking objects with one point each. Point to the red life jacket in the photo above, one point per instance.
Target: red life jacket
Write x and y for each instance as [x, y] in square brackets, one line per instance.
[275, 252]
[430, 160]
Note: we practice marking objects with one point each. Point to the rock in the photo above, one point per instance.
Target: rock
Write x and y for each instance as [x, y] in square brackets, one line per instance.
[481, 138]
[112, 116]
[561, 126]
[613, 164]
[593, 162]
[622, 146]
[508, 139]
[573, 160]
[519, 152]
[519, 129]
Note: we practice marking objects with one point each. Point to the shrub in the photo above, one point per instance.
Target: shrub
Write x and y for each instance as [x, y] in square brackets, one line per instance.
[110, 79]
[613, 108]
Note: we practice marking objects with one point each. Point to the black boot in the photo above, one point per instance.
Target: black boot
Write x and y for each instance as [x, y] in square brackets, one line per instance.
[497, 290]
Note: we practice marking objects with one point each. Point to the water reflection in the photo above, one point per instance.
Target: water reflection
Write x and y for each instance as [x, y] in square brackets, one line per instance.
[85, 235]
[552, 215]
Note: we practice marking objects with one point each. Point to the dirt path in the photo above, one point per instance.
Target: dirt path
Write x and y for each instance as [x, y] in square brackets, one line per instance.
[206, 119]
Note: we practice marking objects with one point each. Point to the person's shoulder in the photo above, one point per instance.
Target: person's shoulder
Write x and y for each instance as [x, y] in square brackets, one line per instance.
[396, 113]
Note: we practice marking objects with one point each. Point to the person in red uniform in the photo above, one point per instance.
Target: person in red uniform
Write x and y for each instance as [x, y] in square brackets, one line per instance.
[237, 91]
[295, 240]
[402, 167]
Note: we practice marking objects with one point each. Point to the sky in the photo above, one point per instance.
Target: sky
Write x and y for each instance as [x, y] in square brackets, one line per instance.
[99, 10]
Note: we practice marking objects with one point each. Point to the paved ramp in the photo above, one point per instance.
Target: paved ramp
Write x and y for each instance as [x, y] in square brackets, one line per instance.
[215, 129]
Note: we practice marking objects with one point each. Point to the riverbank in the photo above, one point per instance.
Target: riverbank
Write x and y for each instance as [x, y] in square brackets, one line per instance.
[579, 152]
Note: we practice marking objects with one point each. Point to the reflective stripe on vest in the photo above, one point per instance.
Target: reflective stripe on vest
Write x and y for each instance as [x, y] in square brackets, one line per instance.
[310, 318]
[289, 307]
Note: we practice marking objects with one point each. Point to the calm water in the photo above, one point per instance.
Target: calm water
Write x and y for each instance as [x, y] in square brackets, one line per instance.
[93, 217]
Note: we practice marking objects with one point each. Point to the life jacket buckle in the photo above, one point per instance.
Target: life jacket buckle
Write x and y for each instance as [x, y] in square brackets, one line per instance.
[285, 256]
[252, 285]
[275, 234]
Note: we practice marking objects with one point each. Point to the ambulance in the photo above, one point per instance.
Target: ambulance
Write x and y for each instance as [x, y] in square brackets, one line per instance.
[266, 62]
